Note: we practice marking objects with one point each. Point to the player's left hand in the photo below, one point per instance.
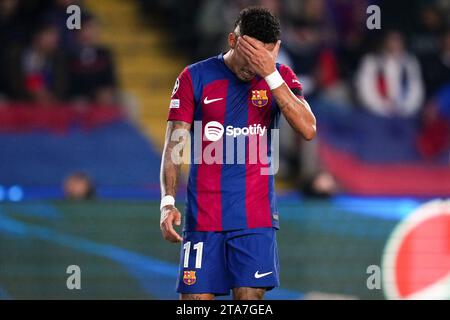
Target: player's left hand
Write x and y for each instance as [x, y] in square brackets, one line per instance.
[261, 60]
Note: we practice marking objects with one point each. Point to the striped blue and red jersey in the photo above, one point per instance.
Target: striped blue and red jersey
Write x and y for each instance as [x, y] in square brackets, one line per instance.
[231, 194]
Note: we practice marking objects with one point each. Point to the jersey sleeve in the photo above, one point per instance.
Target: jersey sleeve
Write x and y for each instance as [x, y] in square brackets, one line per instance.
[182, 103]
[291, 80]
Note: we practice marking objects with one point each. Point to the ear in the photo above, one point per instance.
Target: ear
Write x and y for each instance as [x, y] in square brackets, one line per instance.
[232, 40]
[276, 49]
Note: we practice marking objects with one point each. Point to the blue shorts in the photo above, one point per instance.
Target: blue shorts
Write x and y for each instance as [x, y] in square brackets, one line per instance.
[216, 262]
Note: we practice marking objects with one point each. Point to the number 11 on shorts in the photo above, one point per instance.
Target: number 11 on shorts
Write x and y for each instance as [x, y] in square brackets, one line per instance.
[198, 258]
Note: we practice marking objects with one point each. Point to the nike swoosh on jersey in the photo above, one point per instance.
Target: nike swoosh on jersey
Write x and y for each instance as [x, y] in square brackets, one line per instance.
[206, 101]
[260, 275]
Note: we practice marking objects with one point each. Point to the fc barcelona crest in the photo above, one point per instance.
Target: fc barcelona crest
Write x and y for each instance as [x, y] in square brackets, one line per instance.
[189, 277]
[259, 98]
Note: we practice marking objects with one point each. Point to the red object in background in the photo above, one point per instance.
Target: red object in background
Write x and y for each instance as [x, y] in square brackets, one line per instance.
[328, 68]
[381, 84]
[434, 138]
[26, 117]
[362, 178]
[416, 260]
[34, 82]
[424, 255]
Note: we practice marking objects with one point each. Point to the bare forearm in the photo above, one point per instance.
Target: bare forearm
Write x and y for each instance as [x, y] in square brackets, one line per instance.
[171, 158]
[169, 174]
[296, 111]
[169, 178]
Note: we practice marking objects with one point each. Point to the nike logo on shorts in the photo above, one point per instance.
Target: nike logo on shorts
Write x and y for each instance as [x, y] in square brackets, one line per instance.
[260, 275]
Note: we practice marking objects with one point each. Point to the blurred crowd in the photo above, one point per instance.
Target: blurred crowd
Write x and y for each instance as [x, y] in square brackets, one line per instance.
[400, 71]
[327, 42]
[42, 61]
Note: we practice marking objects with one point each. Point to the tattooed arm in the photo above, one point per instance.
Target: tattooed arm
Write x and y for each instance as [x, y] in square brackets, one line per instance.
[176, 137]
[296, 111]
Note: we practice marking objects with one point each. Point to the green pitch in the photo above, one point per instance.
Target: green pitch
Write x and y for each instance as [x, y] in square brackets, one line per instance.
[120, 252]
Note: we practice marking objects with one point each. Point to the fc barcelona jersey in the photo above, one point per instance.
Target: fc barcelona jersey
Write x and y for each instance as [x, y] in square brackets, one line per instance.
[230, 185]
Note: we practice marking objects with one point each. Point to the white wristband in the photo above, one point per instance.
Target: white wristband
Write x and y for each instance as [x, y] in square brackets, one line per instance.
[167, 200]
[274, 80]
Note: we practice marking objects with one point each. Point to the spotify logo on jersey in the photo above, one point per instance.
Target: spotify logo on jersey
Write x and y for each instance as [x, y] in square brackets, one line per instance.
[213, 130]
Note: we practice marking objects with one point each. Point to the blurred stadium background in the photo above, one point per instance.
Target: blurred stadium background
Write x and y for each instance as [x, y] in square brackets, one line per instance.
[82, 121]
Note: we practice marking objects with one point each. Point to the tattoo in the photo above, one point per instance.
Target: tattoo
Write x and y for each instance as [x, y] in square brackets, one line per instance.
[296, 111]
[285, 104]
[169, 170]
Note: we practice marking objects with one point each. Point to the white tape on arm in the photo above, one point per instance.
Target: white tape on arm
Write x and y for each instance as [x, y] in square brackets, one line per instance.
[167, 200]
[274, 80]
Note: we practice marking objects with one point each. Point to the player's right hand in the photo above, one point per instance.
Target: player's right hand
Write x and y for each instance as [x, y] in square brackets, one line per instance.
[169, 216]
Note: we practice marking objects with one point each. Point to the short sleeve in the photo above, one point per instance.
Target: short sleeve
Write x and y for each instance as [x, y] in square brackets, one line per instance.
[182, 103]
[291, 80]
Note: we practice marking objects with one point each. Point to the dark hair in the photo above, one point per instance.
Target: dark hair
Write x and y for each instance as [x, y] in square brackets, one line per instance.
[258, 23]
